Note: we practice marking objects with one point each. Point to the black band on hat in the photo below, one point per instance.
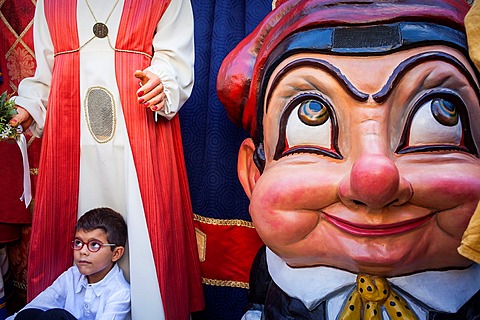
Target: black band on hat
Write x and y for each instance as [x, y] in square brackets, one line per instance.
[372, 39]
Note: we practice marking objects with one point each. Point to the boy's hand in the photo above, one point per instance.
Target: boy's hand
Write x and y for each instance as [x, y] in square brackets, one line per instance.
[151, 93]
[21, 118]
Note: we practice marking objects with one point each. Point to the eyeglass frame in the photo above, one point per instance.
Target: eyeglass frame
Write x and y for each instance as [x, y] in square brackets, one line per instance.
[72, 245]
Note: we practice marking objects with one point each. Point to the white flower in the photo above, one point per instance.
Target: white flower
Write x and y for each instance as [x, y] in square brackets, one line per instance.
[5, 134]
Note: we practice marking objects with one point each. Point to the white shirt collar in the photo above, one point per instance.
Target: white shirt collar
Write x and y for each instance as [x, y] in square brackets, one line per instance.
[453, 288]
[100, 286]
[314, 284]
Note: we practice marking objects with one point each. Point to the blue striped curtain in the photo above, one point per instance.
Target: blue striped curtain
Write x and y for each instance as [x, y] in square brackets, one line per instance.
[211, 141]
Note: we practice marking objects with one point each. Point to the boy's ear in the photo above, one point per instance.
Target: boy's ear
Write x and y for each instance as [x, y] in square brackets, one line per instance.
[117, 253]
[248, 172]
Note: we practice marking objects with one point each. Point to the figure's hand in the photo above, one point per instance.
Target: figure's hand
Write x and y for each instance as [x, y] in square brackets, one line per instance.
[22, 118]
[151, 93]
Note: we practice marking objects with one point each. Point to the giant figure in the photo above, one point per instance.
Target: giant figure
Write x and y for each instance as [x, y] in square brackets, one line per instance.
[110, 77]
[363, 166]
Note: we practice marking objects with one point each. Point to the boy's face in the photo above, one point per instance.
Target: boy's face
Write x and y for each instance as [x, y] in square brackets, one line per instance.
[381, 186]
[95, 265]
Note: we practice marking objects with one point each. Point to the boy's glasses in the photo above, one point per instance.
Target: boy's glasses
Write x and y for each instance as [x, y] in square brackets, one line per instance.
[92, 245]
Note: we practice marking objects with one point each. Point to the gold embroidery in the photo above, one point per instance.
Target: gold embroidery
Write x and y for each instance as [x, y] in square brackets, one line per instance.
[133, 51]
[223, 222]
[30, 141]
[19, 285]
[201, 244]
[106, 35]
[19, 38]
[114, 49]
[225, 283]
[34, 171]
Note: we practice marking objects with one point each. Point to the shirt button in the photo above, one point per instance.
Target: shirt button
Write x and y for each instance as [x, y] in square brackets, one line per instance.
[86, 306]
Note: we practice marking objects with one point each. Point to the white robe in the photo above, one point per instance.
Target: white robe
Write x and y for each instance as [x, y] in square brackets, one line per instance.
[107, 172]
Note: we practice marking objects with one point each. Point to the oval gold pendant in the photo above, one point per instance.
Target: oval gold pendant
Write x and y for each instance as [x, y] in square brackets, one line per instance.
[100, 30]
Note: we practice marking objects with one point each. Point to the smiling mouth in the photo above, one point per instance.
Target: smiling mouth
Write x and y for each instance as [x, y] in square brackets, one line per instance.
[377, 230]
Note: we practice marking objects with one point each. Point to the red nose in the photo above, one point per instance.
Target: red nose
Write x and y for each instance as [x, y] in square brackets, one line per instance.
[375, 181]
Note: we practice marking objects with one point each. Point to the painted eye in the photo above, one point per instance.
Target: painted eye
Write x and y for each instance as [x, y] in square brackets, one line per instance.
[309, 124]
[313, 113]
[439, 121]
[444, 111]
[309, 127]
[436, 122]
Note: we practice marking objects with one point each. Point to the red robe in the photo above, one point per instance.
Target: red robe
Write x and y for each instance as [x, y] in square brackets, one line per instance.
[157, 152]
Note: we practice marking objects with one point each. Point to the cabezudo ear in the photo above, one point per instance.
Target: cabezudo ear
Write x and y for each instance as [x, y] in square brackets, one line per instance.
[247, 169]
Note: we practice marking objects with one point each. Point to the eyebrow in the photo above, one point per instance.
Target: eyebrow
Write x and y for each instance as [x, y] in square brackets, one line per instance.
[323, 65]
[387, 89]
[88, 240]
[412, 62]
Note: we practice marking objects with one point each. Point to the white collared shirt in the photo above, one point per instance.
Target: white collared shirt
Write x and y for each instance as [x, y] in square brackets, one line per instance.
[452, 289]
[108, 299]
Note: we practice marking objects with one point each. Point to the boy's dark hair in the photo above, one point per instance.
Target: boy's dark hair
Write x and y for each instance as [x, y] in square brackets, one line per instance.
[108, 220]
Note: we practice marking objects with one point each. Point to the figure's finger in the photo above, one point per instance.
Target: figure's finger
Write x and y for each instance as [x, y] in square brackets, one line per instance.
[156, 103]
[142, 76]
[152, 93]
[158, 106]
[21, 118]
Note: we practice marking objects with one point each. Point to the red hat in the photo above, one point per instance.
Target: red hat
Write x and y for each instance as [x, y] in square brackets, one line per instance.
[347, 27]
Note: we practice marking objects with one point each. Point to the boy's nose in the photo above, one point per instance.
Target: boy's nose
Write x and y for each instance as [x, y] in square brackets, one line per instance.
[85, 250]
[374, 181]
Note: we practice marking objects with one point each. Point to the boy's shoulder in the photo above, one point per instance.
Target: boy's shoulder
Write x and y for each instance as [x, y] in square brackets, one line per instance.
[116, 286]
[116, 279]
[71, 273]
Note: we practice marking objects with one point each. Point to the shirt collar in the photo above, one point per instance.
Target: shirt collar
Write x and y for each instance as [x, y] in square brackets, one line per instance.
[311, 285]
[98, 287]
[453, 288]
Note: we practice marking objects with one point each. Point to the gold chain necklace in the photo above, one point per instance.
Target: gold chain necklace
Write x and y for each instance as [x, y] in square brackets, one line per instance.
[100, 29]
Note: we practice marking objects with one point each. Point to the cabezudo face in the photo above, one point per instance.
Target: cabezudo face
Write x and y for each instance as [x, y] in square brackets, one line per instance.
[371, 162]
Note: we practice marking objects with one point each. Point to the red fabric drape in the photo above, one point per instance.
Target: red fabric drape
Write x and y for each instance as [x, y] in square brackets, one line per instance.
[55, 209]
[158, 154]
[157, 151]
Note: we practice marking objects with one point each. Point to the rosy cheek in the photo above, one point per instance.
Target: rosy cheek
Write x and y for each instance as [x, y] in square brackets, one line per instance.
[454, 195]
[278, 212]
[454, 222]
[447, 190]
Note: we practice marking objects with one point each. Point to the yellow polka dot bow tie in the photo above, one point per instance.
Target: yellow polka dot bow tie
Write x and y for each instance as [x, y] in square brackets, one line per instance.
[370, 294]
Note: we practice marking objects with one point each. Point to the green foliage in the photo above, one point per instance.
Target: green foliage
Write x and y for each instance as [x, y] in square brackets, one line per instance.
[7, 111]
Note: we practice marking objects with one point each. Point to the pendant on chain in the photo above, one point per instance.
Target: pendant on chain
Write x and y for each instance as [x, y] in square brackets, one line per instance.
[100, 30]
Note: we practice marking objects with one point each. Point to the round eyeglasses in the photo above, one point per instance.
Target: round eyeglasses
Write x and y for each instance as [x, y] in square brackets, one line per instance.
[92, 245]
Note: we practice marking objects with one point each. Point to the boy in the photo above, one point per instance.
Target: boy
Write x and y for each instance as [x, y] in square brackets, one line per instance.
[95, 287]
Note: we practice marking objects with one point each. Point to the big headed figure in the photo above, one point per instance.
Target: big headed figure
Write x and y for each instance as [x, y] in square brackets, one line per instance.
[363, 167]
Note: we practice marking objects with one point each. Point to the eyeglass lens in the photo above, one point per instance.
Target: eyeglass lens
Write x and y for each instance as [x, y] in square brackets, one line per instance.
[92, 245]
